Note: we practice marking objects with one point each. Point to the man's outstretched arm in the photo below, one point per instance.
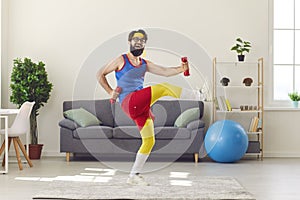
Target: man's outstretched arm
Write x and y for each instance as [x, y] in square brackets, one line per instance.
[165, 71]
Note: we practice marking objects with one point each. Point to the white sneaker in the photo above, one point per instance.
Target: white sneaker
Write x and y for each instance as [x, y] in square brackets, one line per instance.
[137, 180]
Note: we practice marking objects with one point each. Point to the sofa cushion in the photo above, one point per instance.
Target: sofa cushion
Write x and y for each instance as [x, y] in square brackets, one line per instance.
[132, 132]
[171, 133]
[167, 111]
[102, 109]
[104, 112]
[126, 132]
[82, 117]
[93, 132]
[121, 119]
[196, 124]
[69, 124]
[187, 116]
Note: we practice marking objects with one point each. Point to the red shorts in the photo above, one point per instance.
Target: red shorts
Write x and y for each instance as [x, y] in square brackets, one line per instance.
[137, 106]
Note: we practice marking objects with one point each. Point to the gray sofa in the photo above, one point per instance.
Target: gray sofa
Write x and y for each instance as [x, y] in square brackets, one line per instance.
[118, 137]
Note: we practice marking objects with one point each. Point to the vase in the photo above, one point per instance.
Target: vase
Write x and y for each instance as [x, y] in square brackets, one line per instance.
[35, 151]
[295, 104]
[241, 58]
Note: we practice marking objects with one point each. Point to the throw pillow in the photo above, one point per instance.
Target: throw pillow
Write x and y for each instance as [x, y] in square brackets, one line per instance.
[187, 116]
[82, 117]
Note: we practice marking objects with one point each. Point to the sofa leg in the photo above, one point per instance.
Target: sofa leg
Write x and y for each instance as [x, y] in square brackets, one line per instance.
[196, 156]
[68, 156]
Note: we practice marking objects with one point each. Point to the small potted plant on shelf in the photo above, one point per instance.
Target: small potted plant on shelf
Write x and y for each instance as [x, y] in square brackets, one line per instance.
[241, 47]
[29, 82]
[295, 97]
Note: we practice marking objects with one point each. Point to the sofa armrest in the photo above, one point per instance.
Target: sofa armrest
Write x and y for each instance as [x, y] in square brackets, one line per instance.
[196, 124]
[69, 124]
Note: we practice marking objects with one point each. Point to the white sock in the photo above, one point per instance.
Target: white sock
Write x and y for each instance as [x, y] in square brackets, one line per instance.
[189, 94]
[140, 160]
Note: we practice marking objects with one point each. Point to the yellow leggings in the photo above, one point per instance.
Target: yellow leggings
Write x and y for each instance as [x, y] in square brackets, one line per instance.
[147, 130]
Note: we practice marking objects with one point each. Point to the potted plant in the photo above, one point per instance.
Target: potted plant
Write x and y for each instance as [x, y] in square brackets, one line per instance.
[241, 47]
[29, 82]
[295, 97]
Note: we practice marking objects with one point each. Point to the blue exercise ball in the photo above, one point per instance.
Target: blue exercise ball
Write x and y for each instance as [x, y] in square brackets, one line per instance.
[226, 141]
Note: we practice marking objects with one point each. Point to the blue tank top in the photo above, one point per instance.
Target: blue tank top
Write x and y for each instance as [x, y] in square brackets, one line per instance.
[130, 78]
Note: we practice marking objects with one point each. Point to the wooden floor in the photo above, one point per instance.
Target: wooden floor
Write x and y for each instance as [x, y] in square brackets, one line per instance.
[270, 179]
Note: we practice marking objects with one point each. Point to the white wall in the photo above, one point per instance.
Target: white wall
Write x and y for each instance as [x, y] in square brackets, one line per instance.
[0, 44]
[62, 33]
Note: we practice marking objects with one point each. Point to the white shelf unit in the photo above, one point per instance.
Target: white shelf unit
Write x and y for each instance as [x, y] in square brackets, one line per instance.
[238, 111]
[238, 95]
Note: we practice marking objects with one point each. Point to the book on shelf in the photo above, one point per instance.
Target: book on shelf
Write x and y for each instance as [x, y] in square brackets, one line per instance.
[216, 103]
[254, 124]
[251, 125]
[229, 108]
[259, 125]
[224, 103]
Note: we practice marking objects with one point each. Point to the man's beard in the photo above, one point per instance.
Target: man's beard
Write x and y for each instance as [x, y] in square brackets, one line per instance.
[136, 52]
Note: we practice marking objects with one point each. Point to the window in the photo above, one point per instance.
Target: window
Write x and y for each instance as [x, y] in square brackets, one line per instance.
[286, 48]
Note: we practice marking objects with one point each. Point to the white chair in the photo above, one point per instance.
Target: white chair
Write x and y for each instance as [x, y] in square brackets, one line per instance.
[19, 127]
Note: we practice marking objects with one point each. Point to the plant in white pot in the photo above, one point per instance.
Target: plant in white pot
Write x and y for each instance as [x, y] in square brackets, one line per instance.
[29, 82]
[241, 47]
[295, 97]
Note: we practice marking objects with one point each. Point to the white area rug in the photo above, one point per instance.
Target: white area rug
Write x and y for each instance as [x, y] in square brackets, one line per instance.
[161, 188]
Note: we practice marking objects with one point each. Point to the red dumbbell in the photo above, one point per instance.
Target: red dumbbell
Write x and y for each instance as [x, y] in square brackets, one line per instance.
[185, 61]
[119, 90]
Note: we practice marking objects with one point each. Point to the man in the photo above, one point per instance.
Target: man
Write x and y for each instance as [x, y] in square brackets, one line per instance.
[136, 100]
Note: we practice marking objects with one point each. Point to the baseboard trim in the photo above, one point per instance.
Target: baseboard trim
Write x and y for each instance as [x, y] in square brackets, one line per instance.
[53, 154]
[266, 154]
[282, 154]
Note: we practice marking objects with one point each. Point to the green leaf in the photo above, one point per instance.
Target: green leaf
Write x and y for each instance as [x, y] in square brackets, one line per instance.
[241, 46]
[239, 40]
[294, 96]
[234, 48]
